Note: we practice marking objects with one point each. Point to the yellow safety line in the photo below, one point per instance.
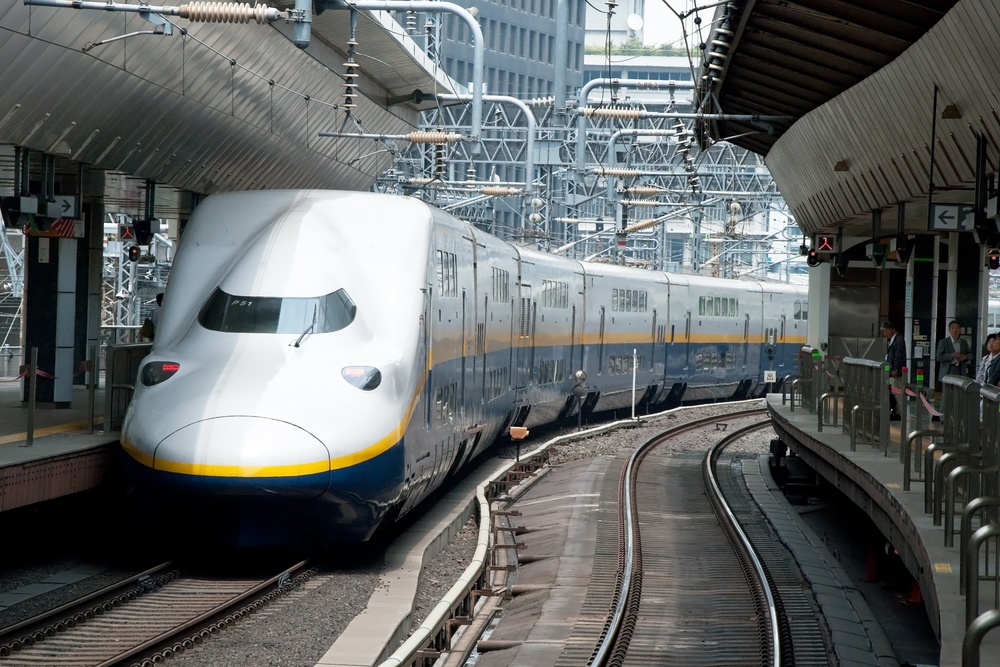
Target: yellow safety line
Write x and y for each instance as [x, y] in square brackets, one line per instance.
[48, 430]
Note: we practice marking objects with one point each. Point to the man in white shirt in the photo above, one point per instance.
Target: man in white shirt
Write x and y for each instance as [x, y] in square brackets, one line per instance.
[952, 352]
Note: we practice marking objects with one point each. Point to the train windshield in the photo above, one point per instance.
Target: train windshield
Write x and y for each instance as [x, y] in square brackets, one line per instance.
[268, 314]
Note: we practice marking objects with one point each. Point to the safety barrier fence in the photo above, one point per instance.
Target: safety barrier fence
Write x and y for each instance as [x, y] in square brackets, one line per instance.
[980, 477]
[960, 466]
[123, 362]
[797, 388]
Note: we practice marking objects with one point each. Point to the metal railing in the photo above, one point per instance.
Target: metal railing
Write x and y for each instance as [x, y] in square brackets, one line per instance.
[122, 371]
[959, 440]
[914, 439]
[866, 401]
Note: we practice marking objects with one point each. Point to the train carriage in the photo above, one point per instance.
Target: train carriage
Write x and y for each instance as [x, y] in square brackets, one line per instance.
[326, 360]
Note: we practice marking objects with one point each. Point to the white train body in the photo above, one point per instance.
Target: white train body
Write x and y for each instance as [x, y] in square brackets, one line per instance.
[325, 360]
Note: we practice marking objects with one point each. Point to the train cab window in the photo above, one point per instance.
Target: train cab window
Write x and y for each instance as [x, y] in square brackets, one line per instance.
[284, 315]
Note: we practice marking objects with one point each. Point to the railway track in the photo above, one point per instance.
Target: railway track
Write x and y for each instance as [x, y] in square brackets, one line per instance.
[684, 590]
[143, 620]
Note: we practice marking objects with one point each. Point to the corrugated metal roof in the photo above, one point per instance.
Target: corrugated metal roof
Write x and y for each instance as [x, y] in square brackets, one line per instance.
[222, 107]
[788, 57]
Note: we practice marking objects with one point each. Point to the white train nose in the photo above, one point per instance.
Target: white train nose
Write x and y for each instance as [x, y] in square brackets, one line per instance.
[242, 447]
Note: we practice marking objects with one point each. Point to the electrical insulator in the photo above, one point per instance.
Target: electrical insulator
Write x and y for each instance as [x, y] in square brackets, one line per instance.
[350, 84]
[411, 21]
[439, 159]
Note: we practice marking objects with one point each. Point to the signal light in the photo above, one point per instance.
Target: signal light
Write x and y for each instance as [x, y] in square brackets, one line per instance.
[813, 259]
[133, 253]
[993, 260]
[156, 372]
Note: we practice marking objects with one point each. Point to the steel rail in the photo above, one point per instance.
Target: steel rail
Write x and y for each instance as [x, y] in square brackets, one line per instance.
[630, 540]
[188, 615]
[741, 543]
[415, 650]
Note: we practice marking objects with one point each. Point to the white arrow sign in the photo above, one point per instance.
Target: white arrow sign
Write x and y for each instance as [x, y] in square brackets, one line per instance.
[951, 217]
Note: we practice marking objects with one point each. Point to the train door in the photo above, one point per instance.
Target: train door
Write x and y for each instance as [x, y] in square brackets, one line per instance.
[653, 340]
[465, 357]
[524, 349]
[782, 352]
[481, 347]
[746, 340]
[572, 340]
[687, 340]
[534, 324]
[600, 345]
[426, 326]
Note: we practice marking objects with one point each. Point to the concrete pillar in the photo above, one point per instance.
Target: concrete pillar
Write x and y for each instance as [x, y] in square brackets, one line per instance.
[818, 335]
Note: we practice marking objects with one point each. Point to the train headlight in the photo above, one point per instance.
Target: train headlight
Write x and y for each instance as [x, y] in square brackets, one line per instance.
[362, 377]
[156, 372]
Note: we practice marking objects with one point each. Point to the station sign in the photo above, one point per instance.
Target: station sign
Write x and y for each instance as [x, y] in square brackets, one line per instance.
[62, 206]
[951, 217]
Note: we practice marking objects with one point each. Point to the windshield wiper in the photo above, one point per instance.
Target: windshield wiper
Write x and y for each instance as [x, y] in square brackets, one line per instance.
[308, 329]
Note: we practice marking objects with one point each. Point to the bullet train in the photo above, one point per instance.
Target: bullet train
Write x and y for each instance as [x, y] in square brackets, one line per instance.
[325, 360]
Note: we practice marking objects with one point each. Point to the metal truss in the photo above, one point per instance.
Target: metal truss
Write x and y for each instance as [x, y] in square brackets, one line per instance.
[644, 174]
[129, 288]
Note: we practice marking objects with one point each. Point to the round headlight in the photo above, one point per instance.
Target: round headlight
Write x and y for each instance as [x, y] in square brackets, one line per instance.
[363, 377]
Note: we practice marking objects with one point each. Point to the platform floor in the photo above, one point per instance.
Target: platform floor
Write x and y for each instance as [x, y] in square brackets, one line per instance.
[67, 450]
[874, 481]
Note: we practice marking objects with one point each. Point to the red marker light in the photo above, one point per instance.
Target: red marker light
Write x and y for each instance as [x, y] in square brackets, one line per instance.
[156, 372]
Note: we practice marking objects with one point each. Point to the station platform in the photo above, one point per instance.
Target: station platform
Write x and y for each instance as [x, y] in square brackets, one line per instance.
[873, 480]
[64, 455]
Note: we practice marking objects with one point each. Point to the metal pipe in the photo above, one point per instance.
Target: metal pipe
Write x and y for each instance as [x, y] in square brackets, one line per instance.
[93, 365]
[477, 37]
[581, 121]
[529, 160]
[32, 385]
[562, 52]
[209, 12]
[613, 139]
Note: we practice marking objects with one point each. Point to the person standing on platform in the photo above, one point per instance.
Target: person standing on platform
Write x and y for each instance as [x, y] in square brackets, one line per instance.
[953, 356]
[984, 363]
[952, 352]
[992, 372]
[895, 356]
[149, 326]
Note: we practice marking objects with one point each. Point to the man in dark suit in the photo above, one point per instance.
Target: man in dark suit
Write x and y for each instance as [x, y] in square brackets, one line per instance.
[895, 356]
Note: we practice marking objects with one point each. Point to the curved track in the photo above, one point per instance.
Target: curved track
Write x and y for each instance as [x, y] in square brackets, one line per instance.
[688, 593]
